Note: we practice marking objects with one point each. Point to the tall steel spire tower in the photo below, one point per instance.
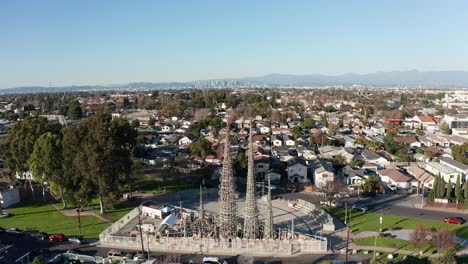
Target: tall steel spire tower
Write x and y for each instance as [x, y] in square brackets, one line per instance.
[201, 210]
[227, 221]
[268, 227]
[250, 211]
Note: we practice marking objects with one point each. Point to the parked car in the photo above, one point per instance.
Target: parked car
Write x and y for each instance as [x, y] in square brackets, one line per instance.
[341, 195]
[213, 260]
[76, 240]
[392, 187]
[454, 220]
[39, 235]
[57, 237]
[14, 231]
[118, 254]
[360, 207]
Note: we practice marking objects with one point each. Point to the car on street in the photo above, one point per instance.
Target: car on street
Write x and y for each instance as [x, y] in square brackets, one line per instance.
[76, 240]
[360, 207]
[392, 187]
[14, 231]
[341, 195]
[454, 220]
[57, 237]
[39, 235]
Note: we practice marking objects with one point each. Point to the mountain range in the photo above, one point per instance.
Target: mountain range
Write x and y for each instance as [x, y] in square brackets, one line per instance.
[413, 78]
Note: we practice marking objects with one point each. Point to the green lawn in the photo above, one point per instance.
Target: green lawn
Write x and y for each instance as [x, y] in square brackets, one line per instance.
[361, 221]
[388, 242]
[41, 216]
[150, 183]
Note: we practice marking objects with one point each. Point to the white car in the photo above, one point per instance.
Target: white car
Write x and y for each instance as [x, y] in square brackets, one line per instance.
[341, 195]
[392, 187]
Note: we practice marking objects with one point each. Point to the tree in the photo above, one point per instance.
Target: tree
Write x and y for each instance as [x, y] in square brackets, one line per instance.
[435, 188]
[135, 123]
[37, 260]
[458, 191]
[372, 183]
[442, 239]
[46, 160]
[465, 192]
[19, 145]
[308, 123]
[126, 102]
[448, 258]
[151, 122]
[74, 111]
[458, 152]
[201, 147]
[297, 132]
[449, 190]
[418, 237]
[240, 163]
[444, 127]
[339, 160]
[441, 187]
[105, 154]
[355, 162]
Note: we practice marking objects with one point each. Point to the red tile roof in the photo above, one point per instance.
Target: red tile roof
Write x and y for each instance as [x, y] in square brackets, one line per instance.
[426, 119]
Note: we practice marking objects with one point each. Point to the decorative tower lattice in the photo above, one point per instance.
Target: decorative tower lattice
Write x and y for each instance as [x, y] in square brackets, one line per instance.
[250, 211]
[268, 227]
[227, 217]
[201, 209]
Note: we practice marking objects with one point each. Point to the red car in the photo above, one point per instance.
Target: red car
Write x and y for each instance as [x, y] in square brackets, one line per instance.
[57, 237]
[454, 220]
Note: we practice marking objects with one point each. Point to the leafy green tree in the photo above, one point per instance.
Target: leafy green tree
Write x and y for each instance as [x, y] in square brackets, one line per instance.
[37, 260]
[339, 161]
[74, 111]
[372, 183]
[151, 122]
[458, 153]
[444, 127]
[465, 192]
[308, 123]
[458, 191]
[297, 132]
[105, 154]
[355, 162]
[46, 160]
[135, 123]
[201, 147]
[19, 145]
[441, 188]
[240, 163]
[435, 188]
[449, 190]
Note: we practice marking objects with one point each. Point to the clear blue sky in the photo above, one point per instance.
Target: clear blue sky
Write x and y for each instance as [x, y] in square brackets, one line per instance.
[109, 42]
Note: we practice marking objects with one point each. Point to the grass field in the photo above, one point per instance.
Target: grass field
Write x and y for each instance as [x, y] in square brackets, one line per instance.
[41, 216]
[389, 243]
[361, 221]
[150, 183]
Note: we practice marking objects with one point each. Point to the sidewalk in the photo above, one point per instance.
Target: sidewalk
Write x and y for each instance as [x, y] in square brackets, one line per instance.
[394, 251]
[443, 209]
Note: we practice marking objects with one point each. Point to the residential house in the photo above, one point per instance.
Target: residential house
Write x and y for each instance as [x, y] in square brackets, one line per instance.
[423, 177]
[324, 174]
[411, 141]
[307, 153]
[262, 165]
[374, 158]
[274, 175]
[289, 141]
[187, 140]
[352, 176]
[419, 157]
[456, 165]
[277, 141]
[297, 170]
[447, 173]
[264, 130]
[395, 176]
[167, 128]
[426, 122]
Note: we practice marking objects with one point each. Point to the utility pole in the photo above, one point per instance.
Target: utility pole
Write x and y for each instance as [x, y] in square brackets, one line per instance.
[347, 235]
[139, 227]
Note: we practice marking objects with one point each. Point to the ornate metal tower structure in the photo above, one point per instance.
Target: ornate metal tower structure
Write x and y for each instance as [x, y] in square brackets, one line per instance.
[227, 217]
[201, 210]
[268, 227]
[250, 211]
